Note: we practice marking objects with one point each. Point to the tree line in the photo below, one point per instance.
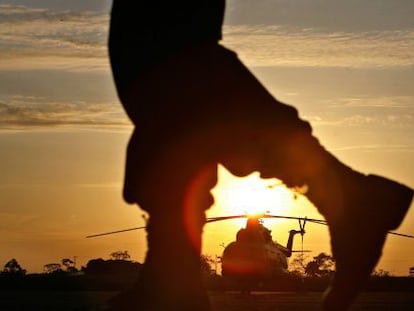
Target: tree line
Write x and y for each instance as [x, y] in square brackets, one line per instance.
[322, 265]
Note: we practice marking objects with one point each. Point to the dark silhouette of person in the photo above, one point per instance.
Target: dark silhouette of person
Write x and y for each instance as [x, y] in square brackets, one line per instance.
[193, 105]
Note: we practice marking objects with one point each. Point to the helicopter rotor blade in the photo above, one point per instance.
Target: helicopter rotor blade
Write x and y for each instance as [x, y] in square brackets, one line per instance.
[221, 218]
[401, 234]
[305, 219]
[313, 220]
[114, 232]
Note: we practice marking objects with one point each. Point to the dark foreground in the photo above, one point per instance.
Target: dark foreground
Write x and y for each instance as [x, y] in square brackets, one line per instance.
[226, 301]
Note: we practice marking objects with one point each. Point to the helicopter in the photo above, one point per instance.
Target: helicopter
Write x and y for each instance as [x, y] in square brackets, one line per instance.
[255, 254]
[254, 257]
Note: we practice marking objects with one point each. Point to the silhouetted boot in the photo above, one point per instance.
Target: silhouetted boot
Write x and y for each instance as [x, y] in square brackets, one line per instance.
[360, 210]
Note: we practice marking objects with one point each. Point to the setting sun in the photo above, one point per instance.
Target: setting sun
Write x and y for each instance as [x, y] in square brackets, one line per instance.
[250, 195]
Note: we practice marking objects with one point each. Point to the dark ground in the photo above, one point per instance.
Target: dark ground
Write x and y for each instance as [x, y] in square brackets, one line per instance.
[226, 301]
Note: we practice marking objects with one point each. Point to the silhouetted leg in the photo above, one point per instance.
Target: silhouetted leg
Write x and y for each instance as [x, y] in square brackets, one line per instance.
[229, 116]
[205, 100]
[207, 108]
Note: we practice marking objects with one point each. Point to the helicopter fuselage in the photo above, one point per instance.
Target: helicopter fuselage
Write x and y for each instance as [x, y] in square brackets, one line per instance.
[255, 254]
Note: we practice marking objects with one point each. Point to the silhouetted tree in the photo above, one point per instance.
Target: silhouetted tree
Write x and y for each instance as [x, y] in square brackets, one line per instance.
[297, 264]
[52, 268]
[12, 267]
[69, 265]
[321, 265]
[381, 273]
[206, 263]
[100, 267]
[120, 255]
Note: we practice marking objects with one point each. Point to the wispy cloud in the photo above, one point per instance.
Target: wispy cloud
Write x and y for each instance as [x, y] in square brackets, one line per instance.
[381, 113]
[394, 102]
[64, 40]
[103, 186]
[332, 15]
[374, 121]
[36, 38]
[10, 220]
[376, 148]
[44, 39]
[76, 5]
[266, 45]
[31, 111]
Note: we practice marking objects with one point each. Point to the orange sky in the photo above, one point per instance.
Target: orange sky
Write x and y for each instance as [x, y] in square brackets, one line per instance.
[63, 133]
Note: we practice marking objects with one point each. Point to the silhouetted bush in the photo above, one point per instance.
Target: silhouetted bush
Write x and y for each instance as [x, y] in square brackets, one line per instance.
[100, 267]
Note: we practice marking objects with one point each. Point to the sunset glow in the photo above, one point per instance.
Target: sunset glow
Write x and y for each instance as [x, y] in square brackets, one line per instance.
[347, 66]
[251, 195]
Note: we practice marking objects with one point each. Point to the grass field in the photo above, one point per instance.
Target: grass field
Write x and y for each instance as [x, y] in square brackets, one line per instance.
[229, 301]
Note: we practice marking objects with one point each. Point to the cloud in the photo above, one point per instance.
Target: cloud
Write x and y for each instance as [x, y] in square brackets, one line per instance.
[387, 113]
[73, 5]
[341, 121]
[35, 38]
[37, 48]
[329, 15]
[23, 112]
[377, 148]
[371, 120]
[32, 38]
[9, 221]
[103, 186]
[390, 102]
[280, 46]
[340, 15]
